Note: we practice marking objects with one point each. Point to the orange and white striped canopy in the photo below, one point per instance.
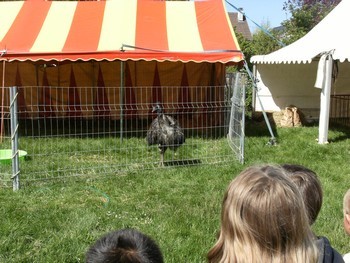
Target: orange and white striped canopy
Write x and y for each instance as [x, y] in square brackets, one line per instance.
[117, 30]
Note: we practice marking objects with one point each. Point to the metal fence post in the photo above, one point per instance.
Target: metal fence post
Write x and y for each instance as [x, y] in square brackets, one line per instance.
[14, 138]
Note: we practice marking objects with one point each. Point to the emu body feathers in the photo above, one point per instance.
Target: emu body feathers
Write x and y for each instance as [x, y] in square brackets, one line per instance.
[165, 132]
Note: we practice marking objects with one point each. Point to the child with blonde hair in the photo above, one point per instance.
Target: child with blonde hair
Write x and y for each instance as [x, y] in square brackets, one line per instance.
[263, 219]
[346, 209]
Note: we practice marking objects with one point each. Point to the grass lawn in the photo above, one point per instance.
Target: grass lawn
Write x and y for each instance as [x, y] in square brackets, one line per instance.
[56, 221]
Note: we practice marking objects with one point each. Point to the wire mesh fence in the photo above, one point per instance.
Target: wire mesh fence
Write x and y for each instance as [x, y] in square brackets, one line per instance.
[340, 110]
[235, 134]
[90, 131]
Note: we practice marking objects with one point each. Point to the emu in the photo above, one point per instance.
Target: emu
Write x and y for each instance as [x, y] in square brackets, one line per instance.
[165, 132]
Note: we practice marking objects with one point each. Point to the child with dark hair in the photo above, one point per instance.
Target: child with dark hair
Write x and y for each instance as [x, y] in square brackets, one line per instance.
[124, 246]
[311, 191]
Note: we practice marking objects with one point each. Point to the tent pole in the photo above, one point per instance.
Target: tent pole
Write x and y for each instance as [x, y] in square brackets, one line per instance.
[325, 102]
[121, 98]
[253, 78]
[14, 137]
[254, 90]
[2, 101]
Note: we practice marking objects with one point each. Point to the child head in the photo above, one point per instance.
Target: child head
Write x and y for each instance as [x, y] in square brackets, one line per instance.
[346, 208]
[124, 246]
[263, 219]
[309, 187]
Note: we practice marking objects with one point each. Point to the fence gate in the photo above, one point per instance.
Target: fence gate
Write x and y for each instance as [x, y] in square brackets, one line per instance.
[65, 135]
[235, 135]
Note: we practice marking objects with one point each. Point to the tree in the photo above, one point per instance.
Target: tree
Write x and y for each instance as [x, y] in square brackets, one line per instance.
[262, 42]
[305, 14]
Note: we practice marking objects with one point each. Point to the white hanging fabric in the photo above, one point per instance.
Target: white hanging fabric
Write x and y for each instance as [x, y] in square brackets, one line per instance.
[321, 71]
[324, 82]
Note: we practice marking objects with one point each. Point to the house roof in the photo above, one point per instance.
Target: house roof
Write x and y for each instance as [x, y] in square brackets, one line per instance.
[241, 26]
[117, 30]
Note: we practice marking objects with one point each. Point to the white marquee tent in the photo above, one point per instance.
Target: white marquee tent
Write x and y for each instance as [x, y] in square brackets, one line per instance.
[289, 75]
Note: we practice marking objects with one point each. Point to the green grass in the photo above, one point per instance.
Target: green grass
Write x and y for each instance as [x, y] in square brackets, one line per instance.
[56, 221]
[50, 158]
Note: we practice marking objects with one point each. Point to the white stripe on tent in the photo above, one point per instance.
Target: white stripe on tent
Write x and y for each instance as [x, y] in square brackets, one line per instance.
[119, 25]
[182, 28]
[8, 13]
[55, 30]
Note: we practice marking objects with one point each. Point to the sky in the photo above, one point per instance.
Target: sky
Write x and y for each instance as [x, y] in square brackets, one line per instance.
[260, 11]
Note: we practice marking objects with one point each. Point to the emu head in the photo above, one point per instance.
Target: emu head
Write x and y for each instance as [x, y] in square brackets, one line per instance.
[157, 108]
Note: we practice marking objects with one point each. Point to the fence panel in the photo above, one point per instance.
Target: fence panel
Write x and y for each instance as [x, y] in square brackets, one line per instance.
[90, 131]
[340, 110]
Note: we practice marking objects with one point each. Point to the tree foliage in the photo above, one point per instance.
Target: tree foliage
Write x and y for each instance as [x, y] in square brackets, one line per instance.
[305, 14]
[264, 43]
[261, 42]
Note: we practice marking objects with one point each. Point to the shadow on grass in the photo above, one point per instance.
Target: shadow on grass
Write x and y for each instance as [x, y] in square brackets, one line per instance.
[182, 162]
[258, 127]
[343, 130]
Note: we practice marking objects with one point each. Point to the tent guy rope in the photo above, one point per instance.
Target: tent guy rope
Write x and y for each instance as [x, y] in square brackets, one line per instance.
[259, 26]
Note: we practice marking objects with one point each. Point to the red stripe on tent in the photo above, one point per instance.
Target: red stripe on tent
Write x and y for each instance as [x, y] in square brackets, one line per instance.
[184, 97]
[45, 105]
[74, 107]
[151, 31]
[156, 89]
[211, 15]
[22, 108]
[129, 99]
[84, 34]
[24, 30]
[101, 100]
[130, 105]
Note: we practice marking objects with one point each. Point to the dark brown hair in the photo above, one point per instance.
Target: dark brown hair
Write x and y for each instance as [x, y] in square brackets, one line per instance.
[124, 246]
[309, 186]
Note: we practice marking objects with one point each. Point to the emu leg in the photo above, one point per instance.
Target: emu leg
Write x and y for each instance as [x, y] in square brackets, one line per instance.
[161, 151]
[161, 159]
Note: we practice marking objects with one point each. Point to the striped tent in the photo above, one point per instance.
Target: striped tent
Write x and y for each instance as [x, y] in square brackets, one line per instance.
[63, 48]
[117, 30]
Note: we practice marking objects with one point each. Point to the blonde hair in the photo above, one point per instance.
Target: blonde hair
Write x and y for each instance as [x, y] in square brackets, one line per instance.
[346, 204]
[263, 219]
